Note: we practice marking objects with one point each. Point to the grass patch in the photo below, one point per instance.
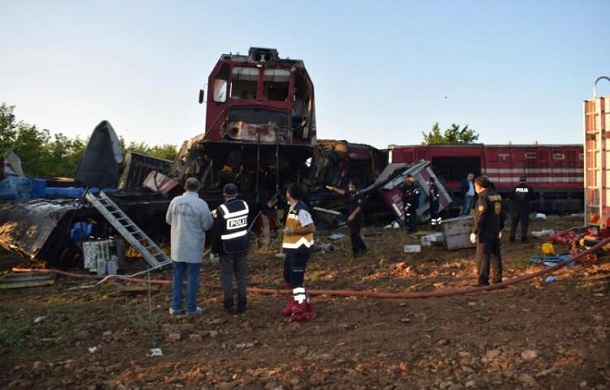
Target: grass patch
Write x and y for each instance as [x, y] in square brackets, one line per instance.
[149, 326]
[12, 333]
[519, 264]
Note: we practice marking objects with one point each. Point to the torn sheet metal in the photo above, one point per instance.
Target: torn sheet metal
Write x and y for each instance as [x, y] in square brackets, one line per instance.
[37, 227]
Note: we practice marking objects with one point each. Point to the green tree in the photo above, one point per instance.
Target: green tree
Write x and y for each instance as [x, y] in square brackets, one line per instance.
[43, 155]
[8, 127]
[30, 146]
[63, 156]
[452, 135]
[166, 151]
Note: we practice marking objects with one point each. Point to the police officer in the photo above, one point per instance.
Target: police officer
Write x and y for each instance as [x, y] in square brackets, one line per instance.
[486, 232]
[297, 244]
[354, 215]
[434, 199]
[521, 198]
[410, 201]
[231, 244]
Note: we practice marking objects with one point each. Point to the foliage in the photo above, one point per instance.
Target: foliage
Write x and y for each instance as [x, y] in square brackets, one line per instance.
[166, 151]
[452, 135]
[12, 332]
[46, 155]
[8, 127]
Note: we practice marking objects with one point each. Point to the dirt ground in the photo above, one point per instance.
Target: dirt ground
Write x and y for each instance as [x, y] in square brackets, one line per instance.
[534, 334]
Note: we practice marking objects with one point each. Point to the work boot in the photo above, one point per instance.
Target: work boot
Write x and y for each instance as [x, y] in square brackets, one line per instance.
[302, 312]
[287, 310]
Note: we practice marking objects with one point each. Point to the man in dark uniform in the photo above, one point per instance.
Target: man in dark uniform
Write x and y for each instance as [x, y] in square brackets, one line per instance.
[521, 200]
[486, 232]
[434, 199]
[410, 202]
[354, 215]
[231, 243]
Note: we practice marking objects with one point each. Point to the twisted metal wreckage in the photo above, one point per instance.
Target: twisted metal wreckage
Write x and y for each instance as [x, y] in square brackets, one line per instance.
[53, 219]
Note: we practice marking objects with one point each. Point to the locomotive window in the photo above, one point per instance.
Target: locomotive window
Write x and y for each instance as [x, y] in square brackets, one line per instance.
[275, 84]
[220, 90]
[220, 84]
[244, 82]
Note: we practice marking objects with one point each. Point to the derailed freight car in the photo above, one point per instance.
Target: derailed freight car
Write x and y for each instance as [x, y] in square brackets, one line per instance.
[596, 112]
[554, 171]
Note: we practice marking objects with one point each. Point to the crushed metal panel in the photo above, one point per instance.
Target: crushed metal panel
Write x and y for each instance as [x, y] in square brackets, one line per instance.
[26, 226]
[137, 167]
[392, 191]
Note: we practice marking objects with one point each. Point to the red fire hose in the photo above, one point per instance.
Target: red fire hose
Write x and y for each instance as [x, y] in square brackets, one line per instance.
[350, 293]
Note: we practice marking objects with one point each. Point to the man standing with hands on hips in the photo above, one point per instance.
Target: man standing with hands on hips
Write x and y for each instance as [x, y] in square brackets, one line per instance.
[486, 232]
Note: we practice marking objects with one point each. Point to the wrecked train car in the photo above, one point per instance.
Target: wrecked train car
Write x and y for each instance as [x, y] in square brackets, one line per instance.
[51, 223]
[260, 134]
[260, 127]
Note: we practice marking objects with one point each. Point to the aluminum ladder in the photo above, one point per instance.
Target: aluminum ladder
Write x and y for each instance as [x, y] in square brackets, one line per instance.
[149, 250]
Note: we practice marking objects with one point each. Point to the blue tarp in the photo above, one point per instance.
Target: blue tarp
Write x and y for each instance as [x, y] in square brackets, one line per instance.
[15, 187]
[552, 260]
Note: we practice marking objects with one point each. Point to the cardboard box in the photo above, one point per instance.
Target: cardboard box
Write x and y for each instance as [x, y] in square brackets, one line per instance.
[457, 232]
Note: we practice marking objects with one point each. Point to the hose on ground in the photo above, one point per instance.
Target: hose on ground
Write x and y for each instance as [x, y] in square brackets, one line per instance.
[348, 293]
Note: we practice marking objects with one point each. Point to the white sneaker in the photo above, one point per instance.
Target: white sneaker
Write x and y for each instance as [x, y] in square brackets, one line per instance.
[197, 311]
[174, 312]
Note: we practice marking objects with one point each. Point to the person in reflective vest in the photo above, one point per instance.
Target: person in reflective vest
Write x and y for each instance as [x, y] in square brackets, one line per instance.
[297, 244]
[231, 243]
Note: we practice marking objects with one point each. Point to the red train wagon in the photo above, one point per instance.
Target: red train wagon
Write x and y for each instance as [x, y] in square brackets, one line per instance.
[555, 171]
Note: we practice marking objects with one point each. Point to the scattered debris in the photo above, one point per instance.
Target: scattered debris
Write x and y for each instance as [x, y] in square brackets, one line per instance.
[27, 279]
[155, 352]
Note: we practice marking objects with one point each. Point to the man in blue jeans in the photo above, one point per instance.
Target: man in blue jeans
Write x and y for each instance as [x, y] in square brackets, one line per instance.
[189, 217]
[468, 193]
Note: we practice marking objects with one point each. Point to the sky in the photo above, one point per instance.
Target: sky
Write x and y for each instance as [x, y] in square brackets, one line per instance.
[384, 72]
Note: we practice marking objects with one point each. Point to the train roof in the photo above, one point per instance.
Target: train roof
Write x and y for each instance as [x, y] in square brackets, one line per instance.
[258, 55]
[393, 146]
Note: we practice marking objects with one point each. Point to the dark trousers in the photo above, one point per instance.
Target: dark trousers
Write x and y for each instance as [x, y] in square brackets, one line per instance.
[410, 219]
[234, 264]
[358, 246]
[294, 267]
[434, 206]
[488, 254]
[519, 215]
